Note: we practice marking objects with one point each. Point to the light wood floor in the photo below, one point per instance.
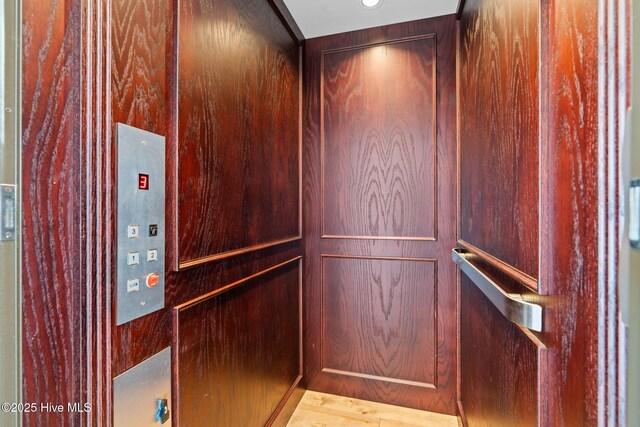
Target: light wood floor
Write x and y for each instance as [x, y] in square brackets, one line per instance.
[320, 410]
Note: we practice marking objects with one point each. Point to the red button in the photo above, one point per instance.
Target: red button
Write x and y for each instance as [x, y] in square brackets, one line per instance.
[152, 280]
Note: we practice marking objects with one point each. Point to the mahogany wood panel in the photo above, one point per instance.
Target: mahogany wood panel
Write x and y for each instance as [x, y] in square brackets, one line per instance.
[378, 158]
[281, 8]
[238, 347]
[499, 365]
[53, 340]
[238, 121]
[404, 52]
[577, 263]
[573, 261]
[143, 69]
[138, 63]
[499, 80]
[138, 72]
[378, 318]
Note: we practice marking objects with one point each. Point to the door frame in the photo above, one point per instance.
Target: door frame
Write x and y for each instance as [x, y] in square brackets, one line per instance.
[614, 99]
[10, 259]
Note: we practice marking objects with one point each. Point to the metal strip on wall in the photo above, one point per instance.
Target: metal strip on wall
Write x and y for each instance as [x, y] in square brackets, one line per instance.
[10, 288]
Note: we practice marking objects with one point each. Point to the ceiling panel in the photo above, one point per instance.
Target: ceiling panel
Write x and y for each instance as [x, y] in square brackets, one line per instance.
[322, 17]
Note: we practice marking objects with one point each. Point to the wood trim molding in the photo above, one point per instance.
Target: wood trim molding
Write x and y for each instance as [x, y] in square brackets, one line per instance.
[285, 16]
[224, 255]
[230, 286]
[381, 258]
[460, 9]
[99, 202]
[406, 239]
[503, 267]
[323, 54]
[278, 416]
[378, 378]
[462, 418]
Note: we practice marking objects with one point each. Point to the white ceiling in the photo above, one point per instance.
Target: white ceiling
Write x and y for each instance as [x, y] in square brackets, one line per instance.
[322, 17]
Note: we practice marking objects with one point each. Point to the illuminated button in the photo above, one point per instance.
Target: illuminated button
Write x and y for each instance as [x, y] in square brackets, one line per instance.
[153, 230]
[152, 255]
[133, 231]
[133, 258]
[152, 280]
[133, 285]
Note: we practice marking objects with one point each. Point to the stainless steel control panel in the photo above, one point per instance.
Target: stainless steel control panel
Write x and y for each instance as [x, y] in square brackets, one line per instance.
[141, 235]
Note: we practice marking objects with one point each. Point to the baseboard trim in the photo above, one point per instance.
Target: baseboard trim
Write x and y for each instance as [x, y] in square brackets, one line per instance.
[289, 403]
[462, 419]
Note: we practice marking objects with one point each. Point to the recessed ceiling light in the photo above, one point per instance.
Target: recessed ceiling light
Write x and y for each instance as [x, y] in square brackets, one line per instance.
[370, 4]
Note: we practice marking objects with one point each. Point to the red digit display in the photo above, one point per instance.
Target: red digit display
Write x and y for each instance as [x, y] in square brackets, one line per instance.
[143, 181]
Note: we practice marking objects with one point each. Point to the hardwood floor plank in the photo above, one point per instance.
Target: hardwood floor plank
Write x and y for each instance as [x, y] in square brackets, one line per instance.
[321, 409]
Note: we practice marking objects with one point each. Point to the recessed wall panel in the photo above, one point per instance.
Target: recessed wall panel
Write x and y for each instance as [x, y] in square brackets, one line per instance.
[238, 139]
[379, 141]
[238, 349]
[378, 318]
[499, 116]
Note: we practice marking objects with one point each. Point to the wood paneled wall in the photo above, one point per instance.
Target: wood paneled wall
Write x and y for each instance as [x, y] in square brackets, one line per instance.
[379, 197]
[238, 349]
[238, 90]
[530, 73]
[73, 94]
[499, 130]
[224, 86]
[379, 172]
[502, 366]
[574, 250]
[53, 340]
[402, 347]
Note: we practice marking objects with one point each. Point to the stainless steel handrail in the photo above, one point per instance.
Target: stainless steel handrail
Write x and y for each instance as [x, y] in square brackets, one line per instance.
[512, 306]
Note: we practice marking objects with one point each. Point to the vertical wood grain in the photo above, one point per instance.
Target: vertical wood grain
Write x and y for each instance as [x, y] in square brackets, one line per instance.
[570, 264]
[53, 338]
[139, 32]
[378, 318]
[237, 127]
[499, 130]
[383, 81]
[500, 380]
[145, 93]
[580, 88]
[379, 157]
[230, 347]
[138, 97]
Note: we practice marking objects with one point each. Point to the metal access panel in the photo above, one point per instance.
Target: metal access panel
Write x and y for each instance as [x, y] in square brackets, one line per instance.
[141, 223]
[142, 395]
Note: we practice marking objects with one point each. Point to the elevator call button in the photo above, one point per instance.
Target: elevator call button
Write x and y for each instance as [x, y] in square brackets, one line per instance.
[133, 231]
[152, 255]
[133, 285]
[133, 258]
[152, 280]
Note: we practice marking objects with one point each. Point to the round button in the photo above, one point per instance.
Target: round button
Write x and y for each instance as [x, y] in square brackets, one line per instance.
[152, 280]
